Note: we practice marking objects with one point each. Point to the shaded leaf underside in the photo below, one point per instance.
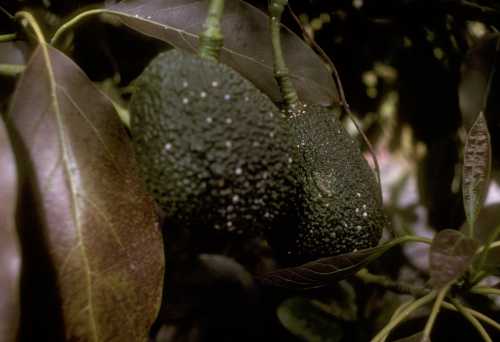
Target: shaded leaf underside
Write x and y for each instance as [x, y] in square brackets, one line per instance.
[247, 43]
[322, 272]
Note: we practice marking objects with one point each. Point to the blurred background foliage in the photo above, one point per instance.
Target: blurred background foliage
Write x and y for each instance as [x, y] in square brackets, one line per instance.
[400, 62]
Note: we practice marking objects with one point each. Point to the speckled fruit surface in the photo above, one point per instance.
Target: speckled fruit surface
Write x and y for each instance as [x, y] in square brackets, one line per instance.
[340, 209]
[214, 150]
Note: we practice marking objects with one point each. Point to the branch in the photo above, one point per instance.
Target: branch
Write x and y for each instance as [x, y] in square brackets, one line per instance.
[435, 310]
[404, 313]
[472, 320]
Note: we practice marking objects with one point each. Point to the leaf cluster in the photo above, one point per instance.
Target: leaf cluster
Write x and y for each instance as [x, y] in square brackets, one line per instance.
[81, 251]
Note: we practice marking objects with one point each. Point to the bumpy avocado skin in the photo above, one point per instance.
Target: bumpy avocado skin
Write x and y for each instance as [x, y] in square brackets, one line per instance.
[213, 150]
[339, 208]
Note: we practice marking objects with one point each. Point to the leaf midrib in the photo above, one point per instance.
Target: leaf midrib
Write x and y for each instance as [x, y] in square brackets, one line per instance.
[71, 182]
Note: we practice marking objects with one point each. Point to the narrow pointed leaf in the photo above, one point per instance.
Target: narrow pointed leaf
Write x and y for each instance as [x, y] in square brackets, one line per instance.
[10, 253]
[476, 168]
[247, 42]
[451, 254]
[324, 271]
[89, 219]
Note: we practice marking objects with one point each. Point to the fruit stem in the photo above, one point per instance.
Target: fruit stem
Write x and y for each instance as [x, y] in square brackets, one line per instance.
[281, 73]
[211, 39]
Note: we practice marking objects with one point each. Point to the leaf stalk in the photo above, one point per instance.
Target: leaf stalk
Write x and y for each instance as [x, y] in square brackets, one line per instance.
[72, 22]
[281, 73]
[27, 20]
[480, 316]
[483, 290]
[11, 70]
[7, 37]
[435, 310]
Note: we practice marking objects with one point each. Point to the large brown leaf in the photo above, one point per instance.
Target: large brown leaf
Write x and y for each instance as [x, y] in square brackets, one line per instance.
[451, 254]
[247, 42]
[86, 218]
[10, 254]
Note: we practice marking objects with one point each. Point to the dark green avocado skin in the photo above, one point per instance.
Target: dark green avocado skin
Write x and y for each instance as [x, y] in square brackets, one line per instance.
[338, 209]
[214, 151]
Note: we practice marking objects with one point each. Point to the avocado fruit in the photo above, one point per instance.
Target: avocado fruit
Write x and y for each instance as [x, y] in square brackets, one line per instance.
[338, 208]
[214, 151]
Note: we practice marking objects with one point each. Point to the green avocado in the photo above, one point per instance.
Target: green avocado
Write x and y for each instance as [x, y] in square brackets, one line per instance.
[339, 208]
[214, 151]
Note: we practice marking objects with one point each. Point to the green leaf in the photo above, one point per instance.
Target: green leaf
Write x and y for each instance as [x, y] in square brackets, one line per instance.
[324, 271]
[303, 319]
[88, 221]
[10, 253]
[247, 43]
[451, 254]
[476, 169]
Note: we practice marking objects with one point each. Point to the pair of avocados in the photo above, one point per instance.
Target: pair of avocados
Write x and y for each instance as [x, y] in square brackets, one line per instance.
[216, 152]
